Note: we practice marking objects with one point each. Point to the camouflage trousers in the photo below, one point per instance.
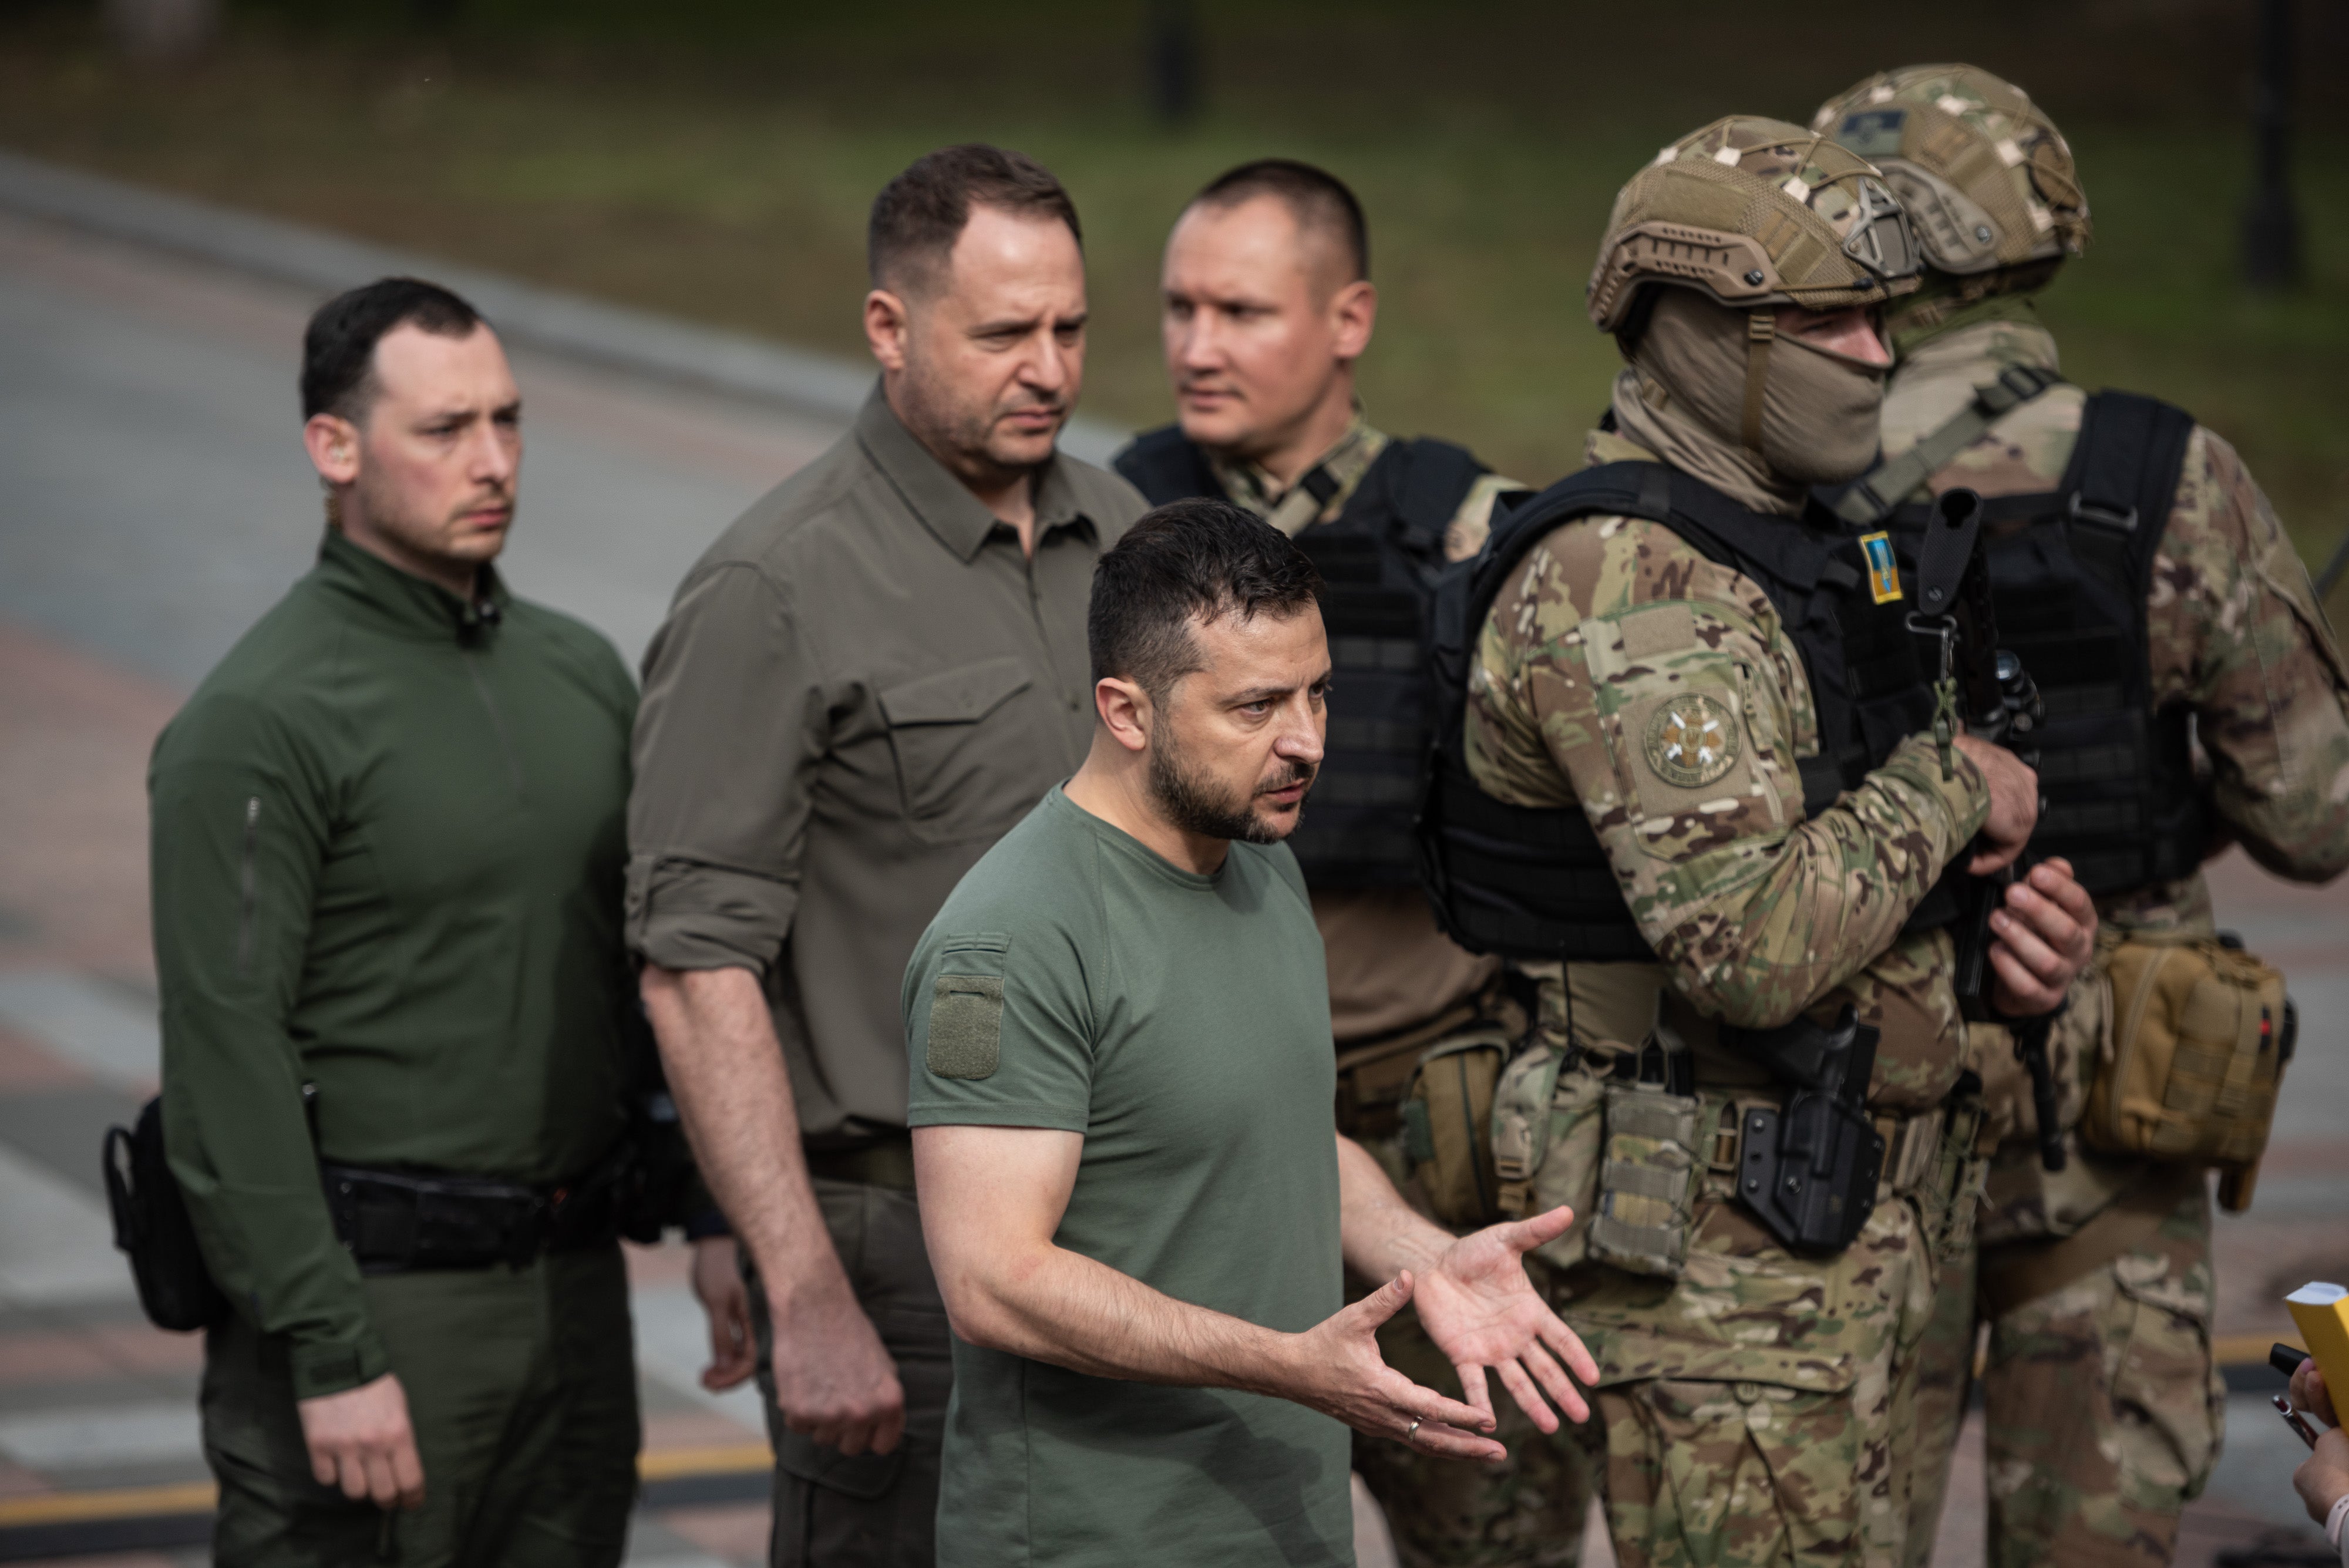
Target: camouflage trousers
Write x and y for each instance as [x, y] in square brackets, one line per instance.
[2105, 1407]
[1524, 1513]
[1789, 1464]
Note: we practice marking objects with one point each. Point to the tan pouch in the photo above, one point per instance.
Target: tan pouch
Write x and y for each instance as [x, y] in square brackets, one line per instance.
[1546, 1140]
[1646, 1180]
[2200, 1031]
[1447, 1117]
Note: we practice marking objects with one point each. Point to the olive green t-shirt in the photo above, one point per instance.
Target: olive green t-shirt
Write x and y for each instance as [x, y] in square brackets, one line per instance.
[1075, 979]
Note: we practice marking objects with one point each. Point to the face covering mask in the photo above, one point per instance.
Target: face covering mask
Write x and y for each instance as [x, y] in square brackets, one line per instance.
[1818, 412]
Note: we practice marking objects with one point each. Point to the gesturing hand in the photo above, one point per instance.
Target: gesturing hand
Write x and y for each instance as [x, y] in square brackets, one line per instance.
[1481, 1310]
[1339, 1372]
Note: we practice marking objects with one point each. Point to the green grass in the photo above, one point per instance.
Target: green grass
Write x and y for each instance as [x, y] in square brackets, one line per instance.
[719, 166]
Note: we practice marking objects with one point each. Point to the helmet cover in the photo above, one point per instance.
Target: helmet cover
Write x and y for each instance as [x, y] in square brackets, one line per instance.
[1755, 213]
[1988, 180]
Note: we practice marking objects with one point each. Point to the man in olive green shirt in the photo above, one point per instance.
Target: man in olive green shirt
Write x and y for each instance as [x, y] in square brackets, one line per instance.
[1266, 307]
[1129, 1169]
[868, 679]
[387, 840]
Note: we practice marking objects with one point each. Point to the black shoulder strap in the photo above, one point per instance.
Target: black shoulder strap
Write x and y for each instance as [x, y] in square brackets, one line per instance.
[2122, 482]
[1411, 494]
[1164, 466]
[2125, 467]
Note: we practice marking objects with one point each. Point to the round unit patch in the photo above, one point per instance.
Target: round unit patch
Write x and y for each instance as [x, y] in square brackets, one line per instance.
[1691, 740]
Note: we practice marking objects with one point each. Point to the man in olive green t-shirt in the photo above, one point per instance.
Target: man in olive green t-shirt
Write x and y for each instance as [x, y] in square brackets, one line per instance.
[1124, 1144]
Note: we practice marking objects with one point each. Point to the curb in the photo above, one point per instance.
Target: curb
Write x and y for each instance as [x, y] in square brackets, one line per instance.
[569, 325]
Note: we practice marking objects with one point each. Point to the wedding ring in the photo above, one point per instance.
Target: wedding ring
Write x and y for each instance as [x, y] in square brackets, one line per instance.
[1410, 1432]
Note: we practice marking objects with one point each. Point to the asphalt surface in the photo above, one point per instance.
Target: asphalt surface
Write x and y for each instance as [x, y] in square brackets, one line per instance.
[154, 500]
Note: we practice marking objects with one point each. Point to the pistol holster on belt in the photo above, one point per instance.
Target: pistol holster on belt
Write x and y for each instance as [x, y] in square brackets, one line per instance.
[1810, 1166]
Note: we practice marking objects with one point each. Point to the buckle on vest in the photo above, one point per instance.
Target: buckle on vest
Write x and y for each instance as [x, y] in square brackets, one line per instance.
[2083, 510]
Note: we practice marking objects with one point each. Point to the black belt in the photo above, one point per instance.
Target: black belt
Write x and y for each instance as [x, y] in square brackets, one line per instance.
[887, 1162]
[397, 1222]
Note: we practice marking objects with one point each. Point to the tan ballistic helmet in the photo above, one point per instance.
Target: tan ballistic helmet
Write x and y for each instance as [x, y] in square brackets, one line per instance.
[1756, 213]
[1988, 180]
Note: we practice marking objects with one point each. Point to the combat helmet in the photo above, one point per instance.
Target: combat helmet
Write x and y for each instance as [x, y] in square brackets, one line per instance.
[1988, 180]
[1755, 213]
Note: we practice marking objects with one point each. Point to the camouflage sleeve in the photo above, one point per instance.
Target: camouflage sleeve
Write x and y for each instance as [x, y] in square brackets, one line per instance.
[1624, 672]
[2235, 632]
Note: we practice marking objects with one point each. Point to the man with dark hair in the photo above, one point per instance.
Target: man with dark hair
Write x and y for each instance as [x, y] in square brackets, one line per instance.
[1122, 1108]
[1267, 304]
[387, 857]
[869, 678]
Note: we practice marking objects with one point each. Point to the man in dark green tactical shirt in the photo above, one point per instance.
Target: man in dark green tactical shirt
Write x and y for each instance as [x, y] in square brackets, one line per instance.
[1131, 1179]
[389, 839]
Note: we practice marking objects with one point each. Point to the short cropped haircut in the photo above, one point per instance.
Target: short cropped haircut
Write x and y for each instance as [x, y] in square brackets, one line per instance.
[1315, 197]
[1193, 558]
[919, 216]
[338, 346]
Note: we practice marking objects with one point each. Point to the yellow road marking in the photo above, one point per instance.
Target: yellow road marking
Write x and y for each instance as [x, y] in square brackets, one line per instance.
[198, 1497]
[126, 1502]
[727, 1459]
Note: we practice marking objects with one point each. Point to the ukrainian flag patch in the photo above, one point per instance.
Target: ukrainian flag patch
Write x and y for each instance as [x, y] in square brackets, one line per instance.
[1883, 570]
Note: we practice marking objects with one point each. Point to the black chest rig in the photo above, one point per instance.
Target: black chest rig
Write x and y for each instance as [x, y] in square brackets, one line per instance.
[2070, 572]
[1534, 883]
[1380, 560]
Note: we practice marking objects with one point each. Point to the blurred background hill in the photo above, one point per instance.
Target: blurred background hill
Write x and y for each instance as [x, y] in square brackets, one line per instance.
[714, 159]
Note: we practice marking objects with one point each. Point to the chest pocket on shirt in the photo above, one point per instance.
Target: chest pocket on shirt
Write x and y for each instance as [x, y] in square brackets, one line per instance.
[965, 766]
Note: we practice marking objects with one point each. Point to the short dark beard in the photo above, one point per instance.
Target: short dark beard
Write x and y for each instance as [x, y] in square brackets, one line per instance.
[1194, 804]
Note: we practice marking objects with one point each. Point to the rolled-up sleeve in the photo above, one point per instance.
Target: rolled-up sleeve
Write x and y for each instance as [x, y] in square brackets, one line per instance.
[731, 726]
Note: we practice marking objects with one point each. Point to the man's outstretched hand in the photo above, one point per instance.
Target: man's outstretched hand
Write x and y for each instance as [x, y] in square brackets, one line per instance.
[1335, 1367]
[1481, 1310]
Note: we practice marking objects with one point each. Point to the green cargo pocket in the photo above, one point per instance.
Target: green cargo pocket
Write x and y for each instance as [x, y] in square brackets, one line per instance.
[1647, 1180]
[965, 1025]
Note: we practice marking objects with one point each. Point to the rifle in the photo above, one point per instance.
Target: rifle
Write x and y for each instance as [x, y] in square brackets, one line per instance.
[1986, 687]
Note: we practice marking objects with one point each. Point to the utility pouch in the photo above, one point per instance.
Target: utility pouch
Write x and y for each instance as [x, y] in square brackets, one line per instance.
[1447, 1120]
[1548, 1134]
[2200, 1034]
[1809, 1169]
[1949, 1165]
[1648, 1171]
[1521, 1123]
[151, 1225]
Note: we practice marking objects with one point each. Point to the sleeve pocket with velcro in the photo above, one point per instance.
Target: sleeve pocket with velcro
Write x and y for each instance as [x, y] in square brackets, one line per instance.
[966, 1031]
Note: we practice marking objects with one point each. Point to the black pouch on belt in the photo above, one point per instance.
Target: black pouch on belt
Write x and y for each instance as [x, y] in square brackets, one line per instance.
[151, 1224]
[1808, 1169]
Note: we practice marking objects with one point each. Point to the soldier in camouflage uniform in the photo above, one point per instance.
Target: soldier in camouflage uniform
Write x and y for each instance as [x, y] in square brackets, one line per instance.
[1267, 304]
[2104, 1407]
[1753, 1405]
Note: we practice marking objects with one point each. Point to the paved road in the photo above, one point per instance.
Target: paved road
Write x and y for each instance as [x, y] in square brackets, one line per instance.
[154, 500]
